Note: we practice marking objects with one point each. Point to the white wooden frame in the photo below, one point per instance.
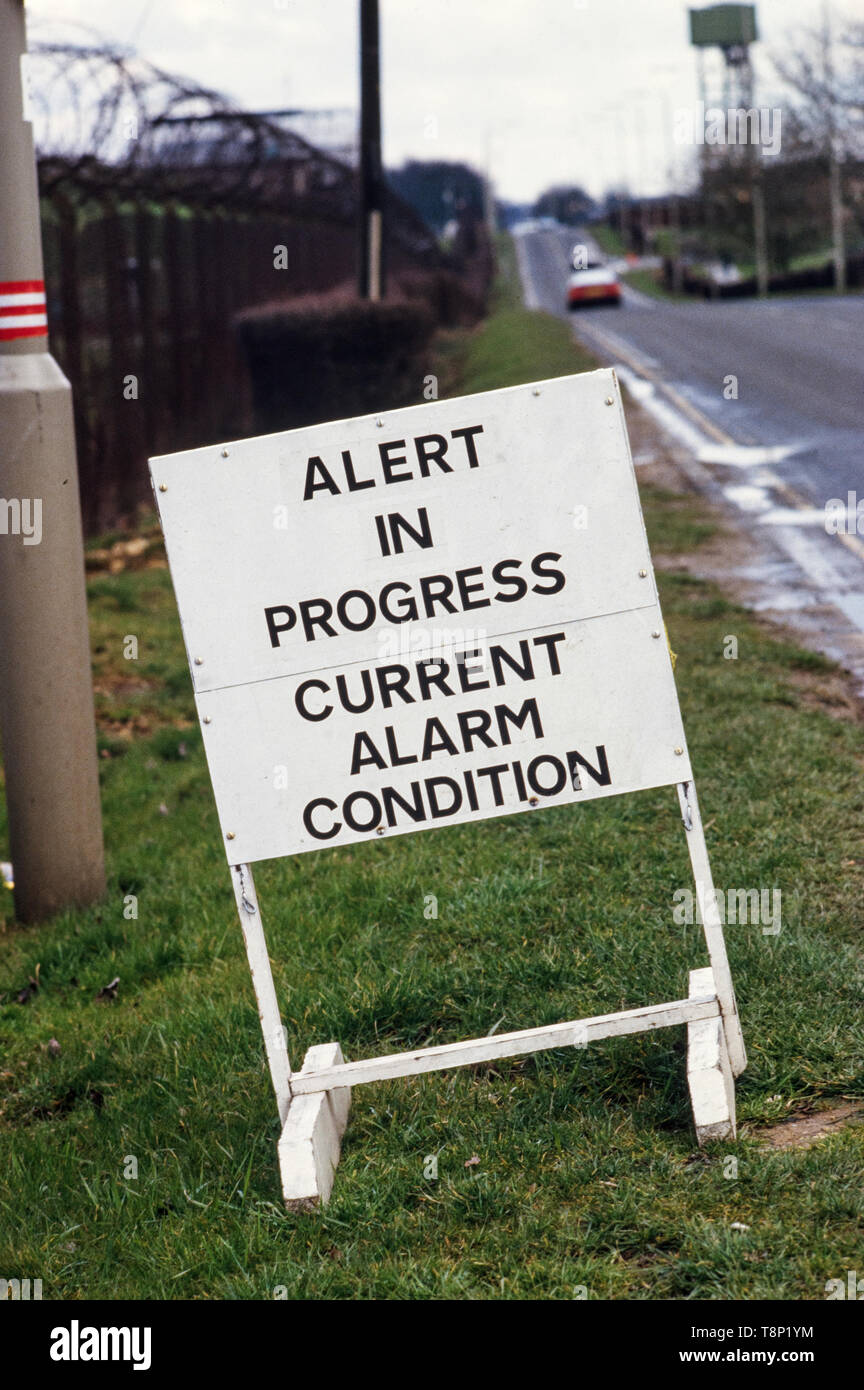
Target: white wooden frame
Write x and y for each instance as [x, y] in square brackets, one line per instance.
[314, 1102]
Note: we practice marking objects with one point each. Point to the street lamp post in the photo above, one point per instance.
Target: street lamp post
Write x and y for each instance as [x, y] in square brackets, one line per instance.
[371, 258]
[46, 696]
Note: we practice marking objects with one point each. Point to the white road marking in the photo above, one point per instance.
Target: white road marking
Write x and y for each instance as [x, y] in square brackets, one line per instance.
[794, 516]
[748, 455]
[636, 299]
[676, 425]
[529, 289]
[749, 497]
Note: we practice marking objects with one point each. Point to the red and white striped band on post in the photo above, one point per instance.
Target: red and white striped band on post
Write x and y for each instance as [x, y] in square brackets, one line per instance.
[22, 309]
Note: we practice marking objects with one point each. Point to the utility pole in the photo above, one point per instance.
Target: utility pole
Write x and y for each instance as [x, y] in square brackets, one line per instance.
[371, 266]
[46, 696]
[835, 192]
[757, 188]
[623, 164]
[489, 216]
[760, 229]
[732, 29]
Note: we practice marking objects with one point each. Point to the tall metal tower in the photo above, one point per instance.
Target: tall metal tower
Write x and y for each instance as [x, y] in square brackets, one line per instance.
[732, 29]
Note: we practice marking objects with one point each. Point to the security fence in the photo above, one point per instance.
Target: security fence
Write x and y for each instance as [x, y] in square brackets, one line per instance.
[165, 212]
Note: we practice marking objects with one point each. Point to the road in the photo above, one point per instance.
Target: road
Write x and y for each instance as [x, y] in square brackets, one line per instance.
[799, 364]
[790, 442]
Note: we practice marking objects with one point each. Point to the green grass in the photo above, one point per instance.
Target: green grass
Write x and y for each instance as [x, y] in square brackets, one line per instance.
[650, 282]
[144, 686]
[812, 260]
[587, 1173]
[608, 238]
[516, 344]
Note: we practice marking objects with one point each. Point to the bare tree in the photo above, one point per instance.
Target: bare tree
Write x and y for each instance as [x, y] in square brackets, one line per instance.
[826, 74]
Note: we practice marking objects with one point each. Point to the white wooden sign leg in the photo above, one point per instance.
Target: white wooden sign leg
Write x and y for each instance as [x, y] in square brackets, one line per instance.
[262, 980]
[312, 1136]
[312, 1125]
[711, 925]
[709, 1073]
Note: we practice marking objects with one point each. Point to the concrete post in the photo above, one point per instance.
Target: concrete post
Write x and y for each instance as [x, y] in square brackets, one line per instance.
[46, 698]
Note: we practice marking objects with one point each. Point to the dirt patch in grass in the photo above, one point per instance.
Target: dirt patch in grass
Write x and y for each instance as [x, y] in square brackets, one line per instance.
[831, 692]
[806, 1130]
[111, 683]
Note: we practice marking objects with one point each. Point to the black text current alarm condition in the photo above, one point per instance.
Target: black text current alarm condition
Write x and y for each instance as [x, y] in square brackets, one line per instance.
[472, 669]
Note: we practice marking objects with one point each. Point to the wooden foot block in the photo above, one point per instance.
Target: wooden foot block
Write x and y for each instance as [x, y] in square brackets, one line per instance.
[311, 1138]
[709, 1073]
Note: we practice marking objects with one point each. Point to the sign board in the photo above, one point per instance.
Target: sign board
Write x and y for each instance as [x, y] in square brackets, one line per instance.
[437, 615]
[410, 620]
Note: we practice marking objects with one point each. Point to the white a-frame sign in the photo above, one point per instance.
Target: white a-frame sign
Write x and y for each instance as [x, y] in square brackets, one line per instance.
[399, 622]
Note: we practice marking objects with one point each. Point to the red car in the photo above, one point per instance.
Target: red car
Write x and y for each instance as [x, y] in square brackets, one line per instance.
[595, 283]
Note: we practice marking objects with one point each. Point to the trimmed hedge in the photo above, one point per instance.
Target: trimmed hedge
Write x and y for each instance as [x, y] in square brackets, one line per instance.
[454, 300]
[325, 357]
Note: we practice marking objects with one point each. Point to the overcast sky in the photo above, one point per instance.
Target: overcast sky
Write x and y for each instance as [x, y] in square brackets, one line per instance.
[546, 91]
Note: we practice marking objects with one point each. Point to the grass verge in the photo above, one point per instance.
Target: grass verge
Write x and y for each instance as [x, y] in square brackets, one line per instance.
[137, 1134]
[608, 238]
[650, 282]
